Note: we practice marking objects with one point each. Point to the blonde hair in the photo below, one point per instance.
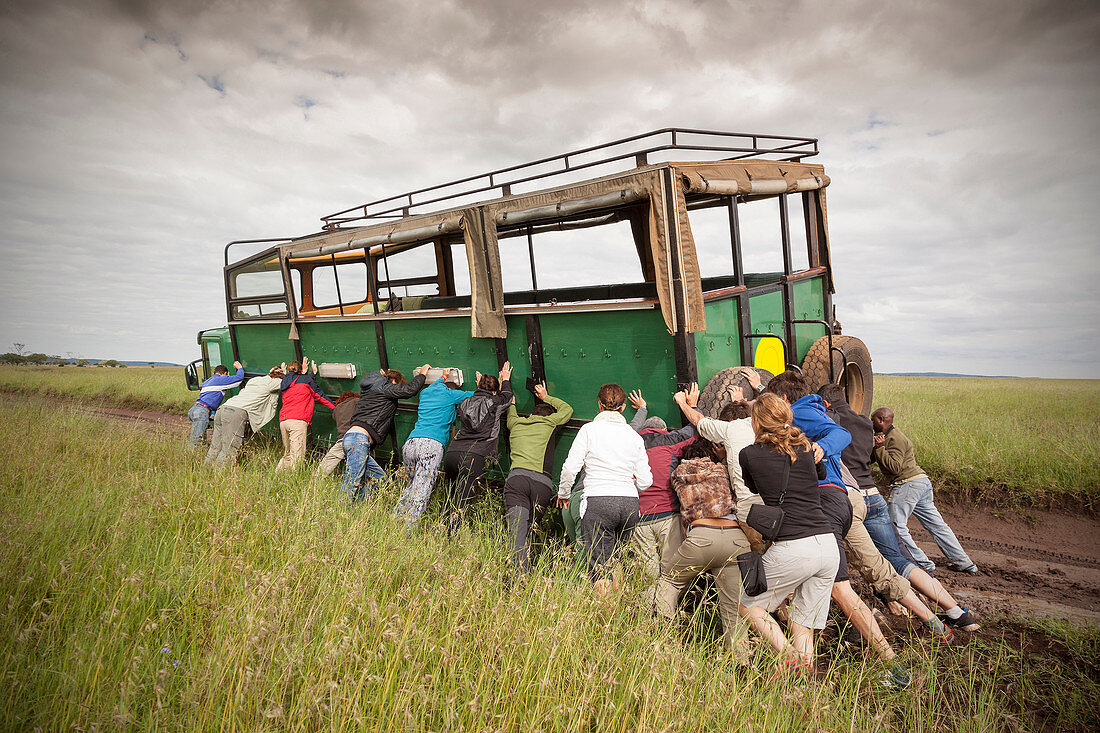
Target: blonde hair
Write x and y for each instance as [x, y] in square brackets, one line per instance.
[771, 421]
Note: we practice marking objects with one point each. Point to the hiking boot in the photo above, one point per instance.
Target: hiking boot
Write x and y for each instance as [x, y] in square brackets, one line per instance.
[966, 622]
[896, 677]
[970, 569]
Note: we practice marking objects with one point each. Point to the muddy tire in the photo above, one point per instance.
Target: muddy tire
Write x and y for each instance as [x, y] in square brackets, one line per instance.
[852, 371]
[715, 395]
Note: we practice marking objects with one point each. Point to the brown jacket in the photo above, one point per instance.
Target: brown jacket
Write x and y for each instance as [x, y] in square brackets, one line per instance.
[896, 458]
[703, 488]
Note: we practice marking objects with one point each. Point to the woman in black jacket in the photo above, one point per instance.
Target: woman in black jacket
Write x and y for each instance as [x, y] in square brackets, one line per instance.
[804, 557]
[475, 443]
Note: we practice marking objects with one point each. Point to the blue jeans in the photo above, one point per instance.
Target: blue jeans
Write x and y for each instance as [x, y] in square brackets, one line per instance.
[358, 461]
[878, 525]
[200, 419]
[914, 498]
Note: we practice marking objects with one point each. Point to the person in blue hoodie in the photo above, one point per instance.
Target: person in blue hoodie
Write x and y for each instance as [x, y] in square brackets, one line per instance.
[423, 450]
[211, 394]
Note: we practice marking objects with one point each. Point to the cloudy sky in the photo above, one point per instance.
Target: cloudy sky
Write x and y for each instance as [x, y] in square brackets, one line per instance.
[962, 139]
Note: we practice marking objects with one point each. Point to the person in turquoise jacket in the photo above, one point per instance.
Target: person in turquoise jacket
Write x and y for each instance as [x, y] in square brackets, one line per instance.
[423, 450]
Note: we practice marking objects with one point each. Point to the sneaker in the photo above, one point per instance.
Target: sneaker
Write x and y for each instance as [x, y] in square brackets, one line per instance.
[792, 669]
[966, 622]
[896, 677]
[970, 569]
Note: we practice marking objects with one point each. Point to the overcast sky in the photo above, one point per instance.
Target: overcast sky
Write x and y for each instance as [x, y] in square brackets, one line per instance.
[962, 139]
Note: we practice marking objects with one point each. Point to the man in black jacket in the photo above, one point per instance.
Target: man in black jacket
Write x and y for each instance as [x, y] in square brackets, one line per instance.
[371, 423]
[869, 508]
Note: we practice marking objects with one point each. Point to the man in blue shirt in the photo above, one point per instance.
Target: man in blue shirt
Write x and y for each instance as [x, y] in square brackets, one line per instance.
[423, 450]
[211, 395]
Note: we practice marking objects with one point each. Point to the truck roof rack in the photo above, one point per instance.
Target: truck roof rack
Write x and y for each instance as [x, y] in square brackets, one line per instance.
[712, 144]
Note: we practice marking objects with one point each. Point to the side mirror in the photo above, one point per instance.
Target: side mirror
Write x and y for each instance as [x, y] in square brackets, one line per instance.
[191, 376]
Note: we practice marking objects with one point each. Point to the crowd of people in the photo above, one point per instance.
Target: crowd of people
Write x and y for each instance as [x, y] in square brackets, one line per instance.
[773, 498]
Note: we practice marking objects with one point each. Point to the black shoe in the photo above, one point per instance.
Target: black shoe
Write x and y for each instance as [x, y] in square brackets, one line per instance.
[970, 569]
[966, 622]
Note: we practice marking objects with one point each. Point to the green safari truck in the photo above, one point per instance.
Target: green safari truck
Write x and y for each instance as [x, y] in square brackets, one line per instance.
[654, 261]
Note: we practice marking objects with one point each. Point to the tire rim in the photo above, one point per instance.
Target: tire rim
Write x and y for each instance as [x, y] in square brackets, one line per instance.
[852, 381]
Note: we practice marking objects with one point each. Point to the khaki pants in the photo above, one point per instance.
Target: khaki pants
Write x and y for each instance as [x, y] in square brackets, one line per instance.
[294, 434]
[707, 548]
[655, 544]
[332, 459]
[229, 428]
[862, 553]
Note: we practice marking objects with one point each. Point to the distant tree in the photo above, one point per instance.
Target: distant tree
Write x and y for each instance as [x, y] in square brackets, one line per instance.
[19, 348]
[82, 362]
[12, 358]
[109, 363]
[121, 365]
[37, 358]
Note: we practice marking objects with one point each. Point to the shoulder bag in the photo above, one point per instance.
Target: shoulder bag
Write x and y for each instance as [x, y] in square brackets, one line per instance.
[767, 520]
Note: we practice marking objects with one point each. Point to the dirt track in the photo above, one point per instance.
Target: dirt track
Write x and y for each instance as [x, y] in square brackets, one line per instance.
[1032, 561]
[1036, 561]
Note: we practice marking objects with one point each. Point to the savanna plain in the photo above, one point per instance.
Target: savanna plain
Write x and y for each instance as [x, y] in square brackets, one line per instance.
[142, 590]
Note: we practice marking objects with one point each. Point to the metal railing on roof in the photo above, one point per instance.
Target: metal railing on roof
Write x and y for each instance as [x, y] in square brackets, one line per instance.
[636, 147]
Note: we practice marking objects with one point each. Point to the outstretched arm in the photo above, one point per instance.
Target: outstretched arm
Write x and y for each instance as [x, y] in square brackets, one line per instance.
[687, 399]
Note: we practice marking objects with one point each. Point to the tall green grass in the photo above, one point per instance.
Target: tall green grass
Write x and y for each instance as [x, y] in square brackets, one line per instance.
[142, 590]
[1030, 440]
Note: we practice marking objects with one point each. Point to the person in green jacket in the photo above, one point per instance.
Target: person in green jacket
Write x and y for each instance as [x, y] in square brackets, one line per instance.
[528, 490]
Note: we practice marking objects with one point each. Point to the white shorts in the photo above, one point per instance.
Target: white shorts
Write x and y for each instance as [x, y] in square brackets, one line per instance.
[806, 566]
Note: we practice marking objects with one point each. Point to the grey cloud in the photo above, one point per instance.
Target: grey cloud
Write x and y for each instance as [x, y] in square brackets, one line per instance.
[960, 138]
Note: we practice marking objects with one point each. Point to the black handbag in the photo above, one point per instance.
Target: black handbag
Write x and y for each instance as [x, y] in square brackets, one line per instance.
[767, 520]
[753, 579]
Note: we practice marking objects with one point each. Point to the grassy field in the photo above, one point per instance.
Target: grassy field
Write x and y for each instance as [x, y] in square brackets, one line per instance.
[158, 388]
[141, 590]
[1004, 441]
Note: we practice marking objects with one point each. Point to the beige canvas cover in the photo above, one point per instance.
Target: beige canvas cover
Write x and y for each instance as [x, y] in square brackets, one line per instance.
[669, 239]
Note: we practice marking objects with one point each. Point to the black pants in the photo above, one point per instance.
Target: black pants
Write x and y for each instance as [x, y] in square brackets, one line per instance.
[463, 472]
[838, 510]
[606, 525]
[525, 500]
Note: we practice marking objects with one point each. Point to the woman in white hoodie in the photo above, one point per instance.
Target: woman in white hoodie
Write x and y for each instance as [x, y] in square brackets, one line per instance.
[616, 469]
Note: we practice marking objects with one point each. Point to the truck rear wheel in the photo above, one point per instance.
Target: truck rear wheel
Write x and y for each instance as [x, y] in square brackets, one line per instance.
[852, 371]
[715, 395]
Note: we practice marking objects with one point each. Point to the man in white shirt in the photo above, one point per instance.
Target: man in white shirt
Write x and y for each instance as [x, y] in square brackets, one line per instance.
[616, 469]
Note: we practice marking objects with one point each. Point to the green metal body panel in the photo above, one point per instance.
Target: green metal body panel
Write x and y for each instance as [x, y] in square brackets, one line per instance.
[581, 351]
[808, 299]
[719, 347]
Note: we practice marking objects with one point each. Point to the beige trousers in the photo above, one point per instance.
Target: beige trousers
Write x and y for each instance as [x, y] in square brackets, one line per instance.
[655, 544]
[294, 434]
[875, 569]
[707, 548]
[332, 459]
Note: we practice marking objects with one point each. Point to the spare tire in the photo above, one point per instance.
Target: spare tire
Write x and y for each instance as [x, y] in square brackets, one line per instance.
[852, 371]
[715, 395]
